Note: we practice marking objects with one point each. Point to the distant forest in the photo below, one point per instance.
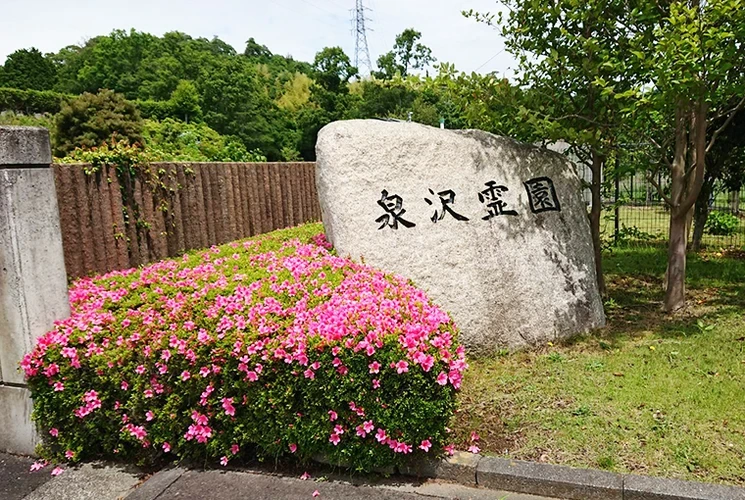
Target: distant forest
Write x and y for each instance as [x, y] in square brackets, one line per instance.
[271, 104]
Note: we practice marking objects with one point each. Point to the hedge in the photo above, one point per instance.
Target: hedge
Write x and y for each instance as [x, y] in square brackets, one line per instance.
[31, 101]
[267, 347]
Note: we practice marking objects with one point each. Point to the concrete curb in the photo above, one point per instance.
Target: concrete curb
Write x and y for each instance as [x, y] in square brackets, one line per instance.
[564, 482]
[157, 484]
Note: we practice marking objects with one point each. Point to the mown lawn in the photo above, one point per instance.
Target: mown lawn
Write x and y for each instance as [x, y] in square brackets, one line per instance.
[651, 394]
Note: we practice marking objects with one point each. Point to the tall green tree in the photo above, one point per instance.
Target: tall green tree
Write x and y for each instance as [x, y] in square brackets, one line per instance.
[691, 56]
[407, 54]
[184, 102]
[333, 69]
[28, 69]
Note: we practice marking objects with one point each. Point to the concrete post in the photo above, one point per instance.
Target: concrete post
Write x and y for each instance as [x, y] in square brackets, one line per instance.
[33, 282]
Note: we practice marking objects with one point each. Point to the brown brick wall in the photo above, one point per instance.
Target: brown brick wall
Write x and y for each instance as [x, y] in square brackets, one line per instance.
[192, 205]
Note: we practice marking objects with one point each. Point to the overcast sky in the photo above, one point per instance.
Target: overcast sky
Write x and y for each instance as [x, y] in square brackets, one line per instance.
[289, 27]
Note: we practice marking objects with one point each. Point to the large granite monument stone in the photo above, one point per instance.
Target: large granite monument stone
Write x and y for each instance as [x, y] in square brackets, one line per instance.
[494, 230]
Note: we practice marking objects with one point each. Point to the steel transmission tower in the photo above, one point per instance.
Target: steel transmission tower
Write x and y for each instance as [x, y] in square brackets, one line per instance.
[361, 50]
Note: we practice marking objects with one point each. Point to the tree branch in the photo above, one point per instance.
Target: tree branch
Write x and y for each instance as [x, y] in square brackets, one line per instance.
[729, 119]
[662, 151]
[651, 180]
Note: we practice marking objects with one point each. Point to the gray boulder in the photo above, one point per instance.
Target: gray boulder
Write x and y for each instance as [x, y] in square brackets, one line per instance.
[494, 230]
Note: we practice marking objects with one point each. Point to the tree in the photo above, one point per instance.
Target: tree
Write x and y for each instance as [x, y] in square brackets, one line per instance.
[333, 69]
[184, 101]
[92, 119]
[574, 62]
[28, 69]
[725, 171]
[693, 66]
[407, 54]
[236, 102]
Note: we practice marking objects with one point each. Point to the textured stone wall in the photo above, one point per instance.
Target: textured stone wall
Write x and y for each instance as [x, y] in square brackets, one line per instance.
[192, 205]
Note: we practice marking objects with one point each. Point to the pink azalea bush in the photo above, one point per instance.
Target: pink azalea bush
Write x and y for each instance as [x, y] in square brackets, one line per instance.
[267, 347]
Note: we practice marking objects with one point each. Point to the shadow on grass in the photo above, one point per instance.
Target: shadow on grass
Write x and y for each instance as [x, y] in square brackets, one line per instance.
[634, 279]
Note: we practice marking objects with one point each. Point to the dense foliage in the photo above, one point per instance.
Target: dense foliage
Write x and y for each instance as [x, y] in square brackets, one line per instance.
[721, 224]
[92, 119]
[272, 104]
[272, 346]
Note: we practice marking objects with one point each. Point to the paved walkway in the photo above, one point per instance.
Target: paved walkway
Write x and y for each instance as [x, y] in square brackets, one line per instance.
[113, 482]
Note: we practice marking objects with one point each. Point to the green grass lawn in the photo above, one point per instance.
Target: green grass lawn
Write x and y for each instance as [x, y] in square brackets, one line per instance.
[650, 394]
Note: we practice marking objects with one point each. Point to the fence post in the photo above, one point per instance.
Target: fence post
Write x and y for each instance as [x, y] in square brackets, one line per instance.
[616, 209]
[33, 282]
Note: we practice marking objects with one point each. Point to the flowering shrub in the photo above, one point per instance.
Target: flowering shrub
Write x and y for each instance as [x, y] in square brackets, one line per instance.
[269, 346]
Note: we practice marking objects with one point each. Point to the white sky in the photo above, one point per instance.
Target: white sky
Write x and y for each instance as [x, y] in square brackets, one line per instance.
[288, 27]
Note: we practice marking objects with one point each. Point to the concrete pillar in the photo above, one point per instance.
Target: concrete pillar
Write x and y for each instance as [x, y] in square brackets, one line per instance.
[33, 282]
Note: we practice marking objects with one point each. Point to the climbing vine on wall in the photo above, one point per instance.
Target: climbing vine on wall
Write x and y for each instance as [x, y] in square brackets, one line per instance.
[133, 167]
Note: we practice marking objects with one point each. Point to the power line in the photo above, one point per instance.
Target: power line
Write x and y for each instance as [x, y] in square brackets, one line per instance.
[361, 49]
[490, 59]
[319, 8]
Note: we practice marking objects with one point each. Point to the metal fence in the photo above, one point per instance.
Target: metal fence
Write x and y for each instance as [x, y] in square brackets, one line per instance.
[634, 213]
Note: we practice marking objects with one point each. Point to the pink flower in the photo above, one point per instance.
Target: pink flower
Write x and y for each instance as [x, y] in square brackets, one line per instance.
[52, 370]
[54, 432]
[334, 438]
[140, 370]
[148, 393]
[204, 371]
[305, 476]
[235, 449]
[449, 449]
[315, 493]
[381, 436]
[309, 374]
[149, 416]
[224, 461]
[293, 448]
[125, 385]
[474, 436]
[376, 383]
[332, 415]
[227, 405]
[374, 367]
[59, 387]
[166, 447]
[474, 449]
[426, 445]
[57, 471]
[38, 465]
[69, 454]
[185, 375]
[402, 367]
[442, 378]
[338, 429]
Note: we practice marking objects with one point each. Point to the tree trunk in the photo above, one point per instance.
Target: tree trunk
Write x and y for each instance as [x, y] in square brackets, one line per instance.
[683, 194]
[596, 215]
[701, 214]
[676, 264]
